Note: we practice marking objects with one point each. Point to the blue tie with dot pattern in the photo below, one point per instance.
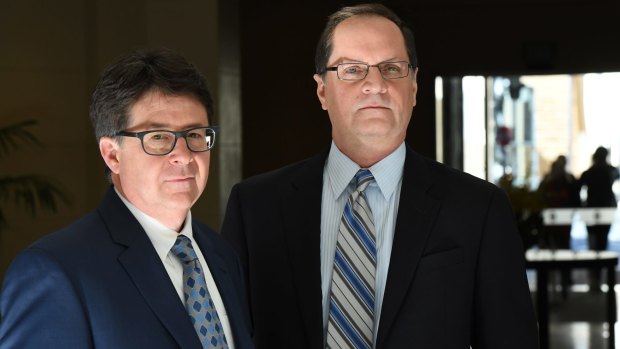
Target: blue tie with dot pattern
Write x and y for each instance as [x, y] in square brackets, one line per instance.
[198, 301]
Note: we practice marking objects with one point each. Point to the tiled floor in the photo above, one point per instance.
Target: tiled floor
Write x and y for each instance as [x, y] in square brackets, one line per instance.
[577, 322]
[580, 335]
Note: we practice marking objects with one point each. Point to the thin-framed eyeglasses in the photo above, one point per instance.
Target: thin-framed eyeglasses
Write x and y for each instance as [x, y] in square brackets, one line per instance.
[162, 142]
[358, 71]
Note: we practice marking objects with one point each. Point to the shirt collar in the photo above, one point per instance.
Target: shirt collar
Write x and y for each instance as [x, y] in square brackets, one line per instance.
[387, 173]
[161, 236]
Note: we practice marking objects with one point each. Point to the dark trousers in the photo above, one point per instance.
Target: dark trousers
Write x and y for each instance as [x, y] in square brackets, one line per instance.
[597, 241]
[557, 237]
[597, 237]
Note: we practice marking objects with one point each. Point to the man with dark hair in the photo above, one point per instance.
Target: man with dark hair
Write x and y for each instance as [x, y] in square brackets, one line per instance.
[370, 245]
[138, 272]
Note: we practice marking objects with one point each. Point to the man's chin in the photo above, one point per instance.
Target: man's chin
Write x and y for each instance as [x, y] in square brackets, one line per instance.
[181, 199]
[374, 131]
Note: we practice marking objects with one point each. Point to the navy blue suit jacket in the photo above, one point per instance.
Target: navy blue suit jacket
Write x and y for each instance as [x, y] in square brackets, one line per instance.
[99, 283]
[457, 269]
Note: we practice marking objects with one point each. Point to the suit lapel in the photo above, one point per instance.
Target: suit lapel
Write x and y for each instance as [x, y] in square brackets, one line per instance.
[416, 214]
[148, 274]
[301, 206]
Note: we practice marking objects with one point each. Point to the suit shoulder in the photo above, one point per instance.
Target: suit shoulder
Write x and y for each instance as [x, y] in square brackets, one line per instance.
[77, 233]
[70, 245]
[58, 255]
[272, 179]
[451, 179]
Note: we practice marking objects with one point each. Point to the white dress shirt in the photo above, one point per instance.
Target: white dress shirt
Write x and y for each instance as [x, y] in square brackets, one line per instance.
[382, 195]
[163, 239]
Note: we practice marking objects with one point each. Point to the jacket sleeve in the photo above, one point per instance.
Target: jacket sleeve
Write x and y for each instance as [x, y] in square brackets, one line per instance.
[503, 312]
[39, 306]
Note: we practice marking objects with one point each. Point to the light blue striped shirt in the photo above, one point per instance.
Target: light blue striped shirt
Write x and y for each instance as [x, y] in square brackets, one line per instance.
[383, 195]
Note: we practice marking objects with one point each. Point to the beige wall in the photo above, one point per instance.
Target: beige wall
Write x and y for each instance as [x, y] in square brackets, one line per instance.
[51, 55]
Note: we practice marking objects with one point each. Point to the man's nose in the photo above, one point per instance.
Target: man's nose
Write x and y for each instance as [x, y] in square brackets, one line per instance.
[374, 81]
[181, 153]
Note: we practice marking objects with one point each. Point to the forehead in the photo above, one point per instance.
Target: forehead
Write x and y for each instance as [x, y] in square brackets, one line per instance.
[160, 108]
[370, 39]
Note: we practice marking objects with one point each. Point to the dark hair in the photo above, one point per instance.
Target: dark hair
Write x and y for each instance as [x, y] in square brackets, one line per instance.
[123, 83]
[324, 47]
[600, 155]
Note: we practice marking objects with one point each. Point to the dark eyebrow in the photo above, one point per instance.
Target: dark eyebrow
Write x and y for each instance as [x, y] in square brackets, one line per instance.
[160, 126]
[347, 60]
[350, 60]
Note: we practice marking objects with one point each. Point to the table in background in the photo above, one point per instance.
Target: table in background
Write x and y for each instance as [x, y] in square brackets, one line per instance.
[545, 260]
[589, 215]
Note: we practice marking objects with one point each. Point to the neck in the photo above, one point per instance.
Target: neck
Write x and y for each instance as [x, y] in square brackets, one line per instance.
[174, 222]
[171, 218]
[366, 155]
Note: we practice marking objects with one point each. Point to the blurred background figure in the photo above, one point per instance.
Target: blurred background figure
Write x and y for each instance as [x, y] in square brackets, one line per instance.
[559, 189]
[599, 179]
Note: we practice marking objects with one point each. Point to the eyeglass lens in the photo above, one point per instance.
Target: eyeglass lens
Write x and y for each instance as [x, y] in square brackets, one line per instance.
[358, 71]
[162, 142]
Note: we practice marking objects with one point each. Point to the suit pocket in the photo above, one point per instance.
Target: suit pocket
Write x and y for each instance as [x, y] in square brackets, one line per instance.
[442, 259]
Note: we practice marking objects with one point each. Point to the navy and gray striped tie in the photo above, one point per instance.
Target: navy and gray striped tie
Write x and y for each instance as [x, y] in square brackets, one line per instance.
[352, 296]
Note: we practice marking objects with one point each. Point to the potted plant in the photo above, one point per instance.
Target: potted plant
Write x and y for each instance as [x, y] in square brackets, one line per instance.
[32, 192]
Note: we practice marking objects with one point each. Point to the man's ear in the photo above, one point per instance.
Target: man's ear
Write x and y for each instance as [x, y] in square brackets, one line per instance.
[320, 90]
[415, 85]
[110, 153]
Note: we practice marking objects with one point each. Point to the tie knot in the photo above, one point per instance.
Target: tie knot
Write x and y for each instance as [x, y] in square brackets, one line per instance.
[183, 249]
[363, 178]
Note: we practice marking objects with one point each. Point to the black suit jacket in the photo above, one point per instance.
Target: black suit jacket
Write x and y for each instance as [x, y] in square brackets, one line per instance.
[456, 276]
[99, 283]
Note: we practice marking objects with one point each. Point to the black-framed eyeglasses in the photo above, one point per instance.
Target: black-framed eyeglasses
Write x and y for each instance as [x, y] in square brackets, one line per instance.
[358, 71]
[162, 142]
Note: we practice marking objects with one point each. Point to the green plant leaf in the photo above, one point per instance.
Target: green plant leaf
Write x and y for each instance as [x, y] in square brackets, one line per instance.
[12, 137]
[32, 193]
